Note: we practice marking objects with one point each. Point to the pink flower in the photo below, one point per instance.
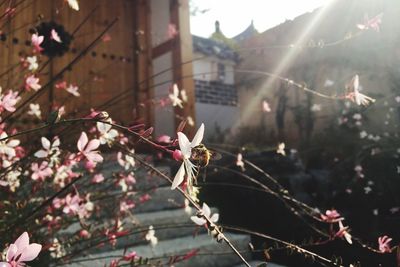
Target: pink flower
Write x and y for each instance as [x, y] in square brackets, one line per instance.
[98, 178]
[354, 94]
[54, 36]
[164, 139]
[130, 256]
[8, 101]
[371, 23]
[84, 234]
[41, 172]
[331, 216]
[73, 90]
[32, 82]
[126, 205]
[177, 155]
[239, 161]
[343, 232]
[36, 41]
[106, 38]
[171, 31]
[61, 85]
[384, 245]
[265, 106]
[87, 149]
[21, 251]
[72, 204]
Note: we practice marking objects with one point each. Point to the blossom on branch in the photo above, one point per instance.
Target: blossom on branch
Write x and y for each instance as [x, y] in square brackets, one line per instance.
[8, 101]
[88, 148]
[187, 168]
[21, 251]
[355, 96]
[384, 245]
[331, 216]
[199, 220]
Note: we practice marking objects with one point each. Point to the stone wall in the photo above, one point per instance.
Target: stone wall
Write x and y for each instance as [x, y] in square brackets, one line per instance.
[215, 92]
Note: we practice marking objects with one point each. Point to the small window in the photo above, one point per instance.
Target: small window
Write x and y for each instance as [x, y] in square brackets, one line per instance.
[221, 72]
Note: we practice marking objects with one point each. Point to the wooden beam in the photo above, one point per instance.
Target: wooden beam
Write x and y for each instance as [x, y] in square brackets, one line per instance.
[143, 51]
[183, 52]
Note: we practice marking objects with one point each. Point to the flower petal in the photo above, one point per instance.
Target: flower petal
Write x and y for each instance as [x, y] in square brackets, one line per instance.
[83, 139]
[197, 220]
[56, 142]
[30, 252]
[206, 209]
[93, 144]
[45, 143]
[22, 242]
[198, 136]
[180, 175]
[41, 154]
[184, 145]
[215, 217]
[11, 252]
[94, 157]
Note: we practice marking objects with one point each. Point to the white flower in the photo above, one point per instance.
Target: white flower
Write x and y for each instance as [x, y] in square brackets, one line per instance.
[190, 120]
[187, 167]
[265, 106]
[239, 161]
[367, 189]
[363, 134]
[73, 4]
[345, 233]
[150, 236]
[357, 116]
[328, 83]
[315, 107]
[73, 90]
[281, 149]
[11, 178]
[207, 213]
[355, 95]
[184, 95]
[34, 110]
[32, 61]
[57, 250]
[174, 97]
[7, 146]
[126, 162]
[49, 149]
[107, 135]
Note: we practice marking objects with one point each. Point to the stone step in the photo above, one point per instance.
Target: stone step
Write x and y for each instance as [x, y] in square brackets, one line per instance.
[144, 178]
[162, 198]
[210, 253]
[167, 225]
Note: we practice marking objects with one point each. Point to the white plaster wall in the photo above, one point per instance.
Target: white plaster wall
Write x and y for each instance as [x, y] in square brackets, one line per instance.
[209, 65]
[160, 18]
[229, 74]
[211, 115]
[164, 116]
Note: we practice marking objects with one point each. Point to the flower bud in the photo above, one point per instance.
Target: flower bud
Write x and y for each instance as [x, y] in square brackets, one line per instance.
[177, 155]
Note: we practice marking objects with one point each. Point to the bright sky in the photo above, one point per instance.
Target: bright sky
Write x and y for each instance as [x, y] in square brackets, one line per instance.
[236, 15]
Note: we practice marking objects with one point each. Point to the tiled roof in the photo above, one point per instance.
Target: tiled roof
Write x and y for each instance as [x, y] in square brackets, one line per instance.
[213, 47]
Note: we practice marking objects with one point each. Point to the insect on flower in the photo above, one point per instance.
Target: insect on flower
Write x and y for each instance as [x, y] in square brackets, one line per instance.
[201, 155]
